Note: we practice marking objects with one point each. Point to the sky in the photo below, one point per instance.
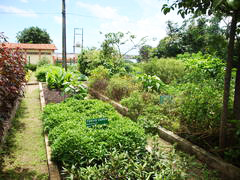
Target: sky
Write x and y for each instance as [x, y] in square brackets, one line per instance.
[140, 17]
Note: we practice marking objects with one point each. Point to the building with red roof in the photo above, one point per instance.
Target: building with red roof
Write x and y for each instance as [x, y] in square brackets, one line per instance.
[34, 52]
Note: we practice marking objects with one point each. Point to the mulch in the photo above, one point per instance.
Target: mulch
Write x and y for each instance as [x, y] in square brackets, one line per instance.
[53, 95]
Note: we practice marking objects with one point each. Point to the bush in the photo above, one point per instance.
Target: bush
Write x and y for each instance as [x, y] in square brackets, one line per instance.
[166, 69]
[137, 102]
[151, 83]
[75, 144]
[200, 108]
[201, 67]
[99, 78]
[12, 77]
[72, 109]
[41, 73]
[31, 67]
[43, 61]
[57, 77]
[121, 86]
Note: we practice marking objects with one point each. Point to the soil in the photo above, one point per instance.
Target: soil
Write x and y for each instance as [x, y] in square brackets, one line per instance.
[53, 96]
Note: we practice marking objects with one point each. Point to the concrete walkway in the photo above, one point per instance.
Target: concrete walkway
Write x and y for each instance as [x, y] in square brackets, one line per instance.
[25, 156]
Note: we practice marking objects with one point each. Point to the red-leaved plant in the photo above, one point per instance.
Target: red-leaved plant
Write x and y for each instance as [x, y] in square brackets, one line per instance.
[12, 77]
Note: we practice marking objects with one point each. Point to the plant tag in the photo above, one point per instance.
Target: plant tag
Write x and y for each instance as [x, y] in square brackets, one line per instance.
[165, 98]
[96, 121]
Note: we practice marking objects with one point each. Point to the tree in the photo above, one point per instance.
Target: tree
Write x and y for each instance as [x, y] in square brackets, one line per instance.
[114, 41]
[222, 8]
[196, 34]
[33, 35]
[145, 53]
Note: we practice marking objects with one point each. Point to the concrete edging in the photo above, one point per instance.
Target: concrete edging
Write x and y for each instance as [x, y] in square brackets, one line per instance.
[52, 167]
[228, 170]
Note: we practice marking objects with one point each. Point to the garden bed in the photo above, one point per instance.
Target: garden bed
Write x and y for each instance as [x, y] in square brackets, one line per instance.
[53, 95]
[228, 170]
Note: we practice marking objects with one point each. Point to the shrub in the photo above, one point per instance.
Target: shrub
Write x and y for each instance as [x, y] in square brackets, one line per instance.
[57, 77]
[75, 144]
[137, 101]
[200, 108]
[72, 109]
[12, 77]
[31, 67]
[160, 115]
[75, 89]
[43, 61]
[166, 69]
[151, 83]
[200, 67]
[99, 78]
[41, 73]
[121, 86]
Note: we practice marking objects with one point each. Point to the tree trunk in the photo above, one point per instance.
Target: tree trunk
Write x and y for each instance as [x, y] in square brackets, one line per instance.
[236, 105]
[223, 125]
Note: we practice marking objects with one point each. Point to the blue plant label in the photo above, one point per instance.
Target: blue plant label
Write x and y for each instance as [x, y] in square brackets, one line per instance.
[96, 121]
[165, 98]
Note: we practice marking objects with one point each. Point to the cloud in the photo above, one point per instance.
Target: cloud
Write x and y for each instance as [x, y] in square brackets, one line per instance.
[24, 1]
[104, 12]
[21, 12]
[58, 19]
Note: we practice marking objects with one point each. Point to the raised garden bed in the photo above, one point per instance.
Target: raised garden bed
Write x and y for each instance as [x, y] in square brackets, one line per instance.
[228, 170]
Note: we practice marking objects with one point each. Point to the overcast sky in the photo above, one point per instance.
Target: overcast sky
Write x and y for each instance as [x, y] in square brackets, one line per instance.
[140, 17]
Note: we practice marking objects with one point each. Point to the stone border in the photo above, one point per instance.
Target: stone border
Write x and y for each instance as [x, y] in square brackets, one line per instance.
[228, 170]
[52, 167]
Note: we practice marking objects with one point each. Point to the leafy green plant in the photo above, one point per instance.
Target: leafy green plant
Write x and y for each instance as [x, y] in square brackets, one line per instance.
[200, 107]
[137, 102]
[74, 143]
[75, 88]
[200, 67]
[99, 78]
[31, 67]
[121, 86]
[167, 69]
[43, 61]
[42, 71]
[158, 164]
[57, 77]
[151, 83]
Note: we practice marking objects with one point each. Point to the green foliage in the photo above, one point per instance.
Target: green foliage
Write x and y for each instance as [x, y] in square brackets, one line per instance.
[200, 107]
[121, 86]
[137, 101]
[151, 83]
[33, 35]
[56, 78]
[99, 78]
[42, 71]
[31, 67]
[43, 61]
[167, 70]
[200, 67]
[75, 144]
[55, 114]
[89, 60]
[145, 53]
[195, 34]
[75, 88]
[164, 115]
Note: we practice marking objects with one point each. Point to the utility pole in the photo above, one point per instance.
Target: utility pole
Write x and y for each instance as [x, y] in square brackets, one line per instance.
[64, 53]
